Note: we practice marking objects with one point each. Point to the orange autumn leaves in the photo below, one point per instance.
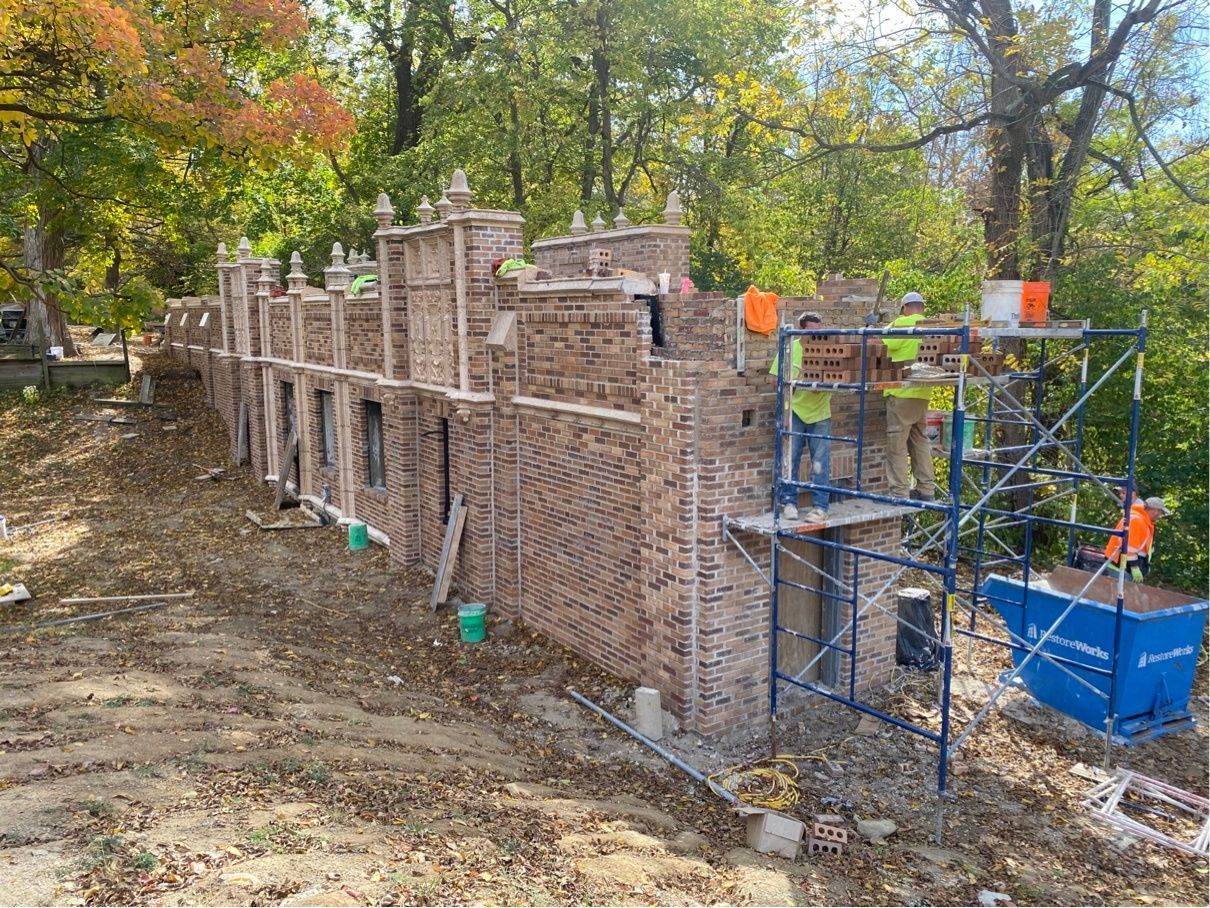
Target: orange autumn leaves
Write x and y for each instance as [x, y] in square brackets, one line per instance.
[185, 72]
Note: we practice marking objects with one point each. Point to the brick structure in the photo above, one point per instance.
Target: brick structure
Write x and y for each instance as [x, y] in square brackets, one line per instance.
[597, 461]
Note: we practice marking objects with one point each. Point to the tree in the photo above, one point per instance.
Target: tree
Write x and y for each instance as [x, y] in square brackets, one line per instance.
[1014, 76]
[132, 79]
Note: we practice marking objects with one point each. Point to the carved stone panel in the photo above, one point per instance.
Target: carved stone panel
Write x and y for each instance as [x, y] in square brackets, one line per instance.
[429, 323]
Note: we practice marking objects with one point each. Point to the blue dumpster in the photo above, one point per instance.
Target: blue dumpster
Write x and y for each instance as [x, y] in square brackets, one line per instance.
[1160, 642]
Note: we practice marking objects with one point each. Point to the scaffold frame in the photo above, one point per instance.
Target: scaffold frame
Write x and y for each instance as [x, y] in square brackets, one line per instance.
[939, 531]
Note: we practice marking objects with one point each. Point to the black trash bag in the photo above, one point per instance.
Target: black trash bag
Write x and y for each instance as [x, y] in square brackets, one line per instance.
[916, 645]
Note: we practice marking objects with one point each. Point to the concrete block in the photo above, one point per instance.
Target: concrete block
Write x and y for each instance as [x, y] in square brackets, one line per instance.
[649, 719]
[770, 832]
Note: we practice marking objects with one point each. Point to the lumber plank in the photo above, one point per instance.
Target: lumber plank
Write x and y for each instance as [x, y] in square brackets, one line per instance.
[449, 551]
[285, 459]
[241, 440]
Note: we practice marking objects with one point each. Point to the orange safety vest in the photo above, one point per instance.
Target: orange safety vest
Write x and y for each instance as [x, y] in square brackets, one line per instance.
[1142, 534]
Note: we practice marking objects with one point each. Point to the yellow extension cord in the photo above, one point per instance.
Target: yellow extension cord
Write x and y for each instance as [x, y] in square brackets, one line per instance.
[771, 783]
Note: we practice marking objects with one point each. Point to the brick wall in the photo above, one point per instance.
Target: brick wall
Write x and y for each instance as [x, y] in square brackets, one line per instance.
[317, 330]
[649, 248]
[281, 332]
[363, 333]
[596, 469]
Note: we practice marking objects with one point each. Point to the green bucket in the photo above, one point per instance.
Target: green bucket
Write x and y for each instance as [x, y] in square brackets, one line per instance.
[947, 432]
[472, 626]
[359, 537]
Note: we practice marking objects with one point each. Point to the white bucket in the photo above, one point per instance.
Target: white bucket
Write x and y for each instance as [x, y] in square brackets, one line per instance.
[1002, 301]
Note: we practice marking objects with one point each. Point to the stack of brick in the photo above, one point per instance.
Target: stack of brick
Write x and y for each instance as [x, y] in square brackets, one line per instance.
[945, 353]
[838, 359]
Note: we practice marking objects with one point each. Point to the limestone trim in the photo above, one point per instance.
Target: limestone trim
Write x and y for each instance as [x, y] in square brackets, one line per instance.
[615, 234]
[580, 411]
[629, 286]
[469, 217]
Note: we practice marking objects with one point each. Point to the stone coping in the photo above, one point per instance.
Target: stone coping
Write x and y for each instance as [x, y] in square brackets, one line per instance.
[615, 233]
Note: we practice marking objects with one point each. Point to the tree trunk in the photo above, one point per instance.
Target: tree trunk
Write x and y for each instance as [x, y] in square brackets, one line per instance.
[407, 102]
[1002, 217]
[42, 251]
[514, 153]
[588, 172]
[602, 73]
[600, 66]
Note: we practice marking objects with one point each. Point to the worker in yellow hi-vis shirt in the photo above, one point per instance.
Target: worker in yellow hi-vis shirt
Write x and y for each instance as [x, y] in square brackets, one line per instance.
[907, 414]
[811, 426]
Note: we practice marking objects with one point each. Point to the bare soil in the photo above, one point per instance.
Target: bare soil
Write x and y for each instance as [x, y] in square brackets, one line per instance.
[304, 732]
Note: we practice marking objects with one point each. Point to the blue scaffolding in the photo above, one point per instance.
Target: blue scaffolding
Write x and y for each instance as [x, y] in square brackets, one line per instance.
[1047, 454]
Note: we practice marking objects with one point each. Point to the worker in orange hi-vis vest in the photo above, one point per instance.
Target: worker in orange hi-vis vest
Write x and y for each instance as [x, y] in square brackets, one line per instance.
[1136, 560]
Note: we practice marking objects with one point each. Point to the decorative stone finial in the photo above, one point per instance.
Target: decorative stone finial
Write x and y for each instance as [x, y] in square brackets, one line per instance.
[297, 279]
[264, 280]
[384, 213]
[337, 276]
[598, 223]
[621, 220]
[578, 226]
[444, 206]
[672, 211]
[459, 192]
[424, 210]
[244, 249]
[222, 252]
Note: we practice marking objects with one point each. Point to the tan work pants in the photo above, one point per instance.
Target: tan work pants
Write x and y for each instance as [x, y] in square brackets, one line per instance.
[906, 421]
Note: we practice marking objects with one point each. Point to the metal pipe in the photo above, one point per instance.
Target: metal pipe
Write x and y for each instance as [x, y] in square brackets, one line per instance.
[1135, 407]
[86, 600]
[695, 774]
[77, 618]
[860, 419]
[1079, 452]
[1045, 471]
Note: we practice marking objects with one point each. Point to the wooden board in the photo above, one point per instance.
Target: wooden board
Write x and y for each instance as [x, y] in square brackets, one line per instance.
[241, 439]
[147, 390]
[449, 553]
[800, 610]
[285, 459]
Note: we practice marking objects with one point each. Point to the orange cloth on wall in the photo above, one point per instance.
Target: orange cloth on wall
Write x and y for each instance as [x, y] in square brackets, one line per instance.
[760, 310]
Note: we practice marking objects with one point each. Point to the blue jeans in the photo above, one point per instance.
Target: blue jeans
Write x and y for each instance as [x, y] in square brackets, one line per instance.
[821, 458]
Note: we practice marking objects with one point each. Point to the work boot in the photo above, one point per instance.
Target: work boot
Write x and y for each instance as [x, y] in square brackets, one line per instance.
[816, 515]
[917, 495]
[789, 512]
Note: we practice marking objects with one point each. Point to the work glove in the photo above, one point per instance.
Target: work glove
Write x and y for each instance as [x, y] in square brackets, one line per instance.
[1136, 574]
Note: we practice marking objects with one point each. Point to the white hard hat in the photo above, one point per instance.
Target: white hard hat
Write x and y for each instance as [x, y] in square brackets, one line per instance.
[911, 297]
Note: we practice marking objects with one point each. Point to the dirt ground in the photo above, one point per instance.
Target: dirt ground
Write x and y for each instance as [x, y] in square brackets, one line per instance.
[304, 732]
